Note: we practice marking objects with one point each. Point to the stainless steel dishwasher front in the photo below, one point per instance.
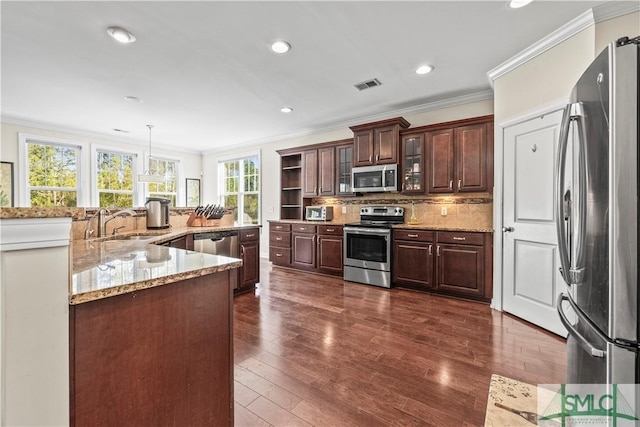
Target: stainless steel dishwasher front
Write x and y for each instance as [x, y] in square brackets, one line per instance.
[219, 243]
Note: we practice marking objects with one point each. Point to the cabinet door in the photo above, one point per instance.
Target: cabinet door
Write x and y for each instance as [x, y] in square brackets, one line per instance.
[330, 254]
[461, 269]
[326, 171]
[363, 147]
[310, 173]
[303, 251]
[412, 164]
[440, 161]
[344, 160]
[471, 158]
[250, 271]
[385, 147]
[413, 264]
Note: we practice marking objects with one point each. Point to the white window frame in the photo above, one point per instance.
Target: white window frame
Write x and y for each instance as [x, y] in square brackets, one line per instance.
[95, 192]
[178, 170]
[221, 183]
[24, 198]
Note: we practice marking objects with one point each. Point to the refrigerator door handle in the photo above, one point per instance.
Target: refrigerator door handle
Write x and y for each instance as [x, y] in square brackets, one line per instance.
[577, 269]
[561, 204]
[582, 341]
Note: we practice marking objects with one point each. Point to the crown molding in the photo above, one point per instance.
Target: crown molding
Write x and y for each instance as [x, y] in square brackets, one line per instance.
[563, 33]
[344, 124]
[593, 16]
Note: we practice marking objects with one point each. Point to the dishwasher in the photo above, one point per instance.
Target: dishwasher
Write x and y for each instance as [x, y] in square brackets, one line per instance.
[219, 243]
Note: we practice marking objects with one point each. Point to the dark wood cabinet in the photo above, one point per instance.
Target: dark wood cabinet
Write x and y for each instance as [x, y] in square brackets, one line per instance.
[249, 241]
[330, 249]
[156, 356]
[291, 202]
[303, 246]
[308, 247]
[455, 263]
[413, 164]
[344, 162]
[413, 263]
[310, 173]
[319, 172]
[458, 159]
[377, 143]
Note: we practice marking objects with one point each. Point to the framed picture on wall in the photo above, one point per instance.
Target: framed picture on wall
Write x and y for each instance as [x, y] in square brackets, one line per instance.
[193, 192]
[6, 184]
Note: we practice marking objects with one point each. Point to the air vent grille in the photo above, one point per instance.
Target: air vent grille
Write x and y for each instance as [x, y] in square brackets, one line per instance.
[367, 84]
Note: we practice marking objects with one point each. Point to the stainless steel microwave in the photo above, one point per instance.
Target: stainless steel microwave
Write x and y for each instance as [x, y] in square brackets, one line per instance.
[376, 178]
[318, 213]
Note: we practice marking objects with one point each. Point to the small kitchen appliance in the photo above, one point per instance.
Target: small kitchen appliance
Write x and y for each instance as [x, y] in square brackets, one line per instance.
[318, 213]
[367, 245]
[157, 212]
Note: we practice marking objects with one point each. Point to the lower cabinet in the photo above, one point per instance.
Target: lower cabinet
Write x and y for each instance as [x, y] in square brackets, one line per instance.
[249, 273]
[308, 247]
[457, 263]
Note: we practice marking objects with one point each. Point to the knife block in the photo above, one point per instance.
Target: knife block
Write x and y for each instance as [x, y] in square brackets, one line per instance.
[202, 221]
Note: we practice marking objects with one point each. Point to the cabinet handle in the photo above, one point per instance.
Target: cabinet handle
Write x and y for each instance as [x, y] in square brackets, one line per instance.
[303, 228]
[438, 250]
[278, 255]
[241, 250]
[314, 239]
[403, 186]
[278, 238]
[412, 235]
[377, 157]
[459, 183]
[278, 227]
[250, 235]
[460, 238]
[330, 229]
[430, 250]
[370, 158]
[450, 185]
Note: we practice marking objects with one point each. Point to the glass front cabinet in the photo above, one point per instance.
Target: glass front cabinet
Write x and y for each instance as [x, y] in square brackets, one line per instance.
[344, 154]
[413, 162]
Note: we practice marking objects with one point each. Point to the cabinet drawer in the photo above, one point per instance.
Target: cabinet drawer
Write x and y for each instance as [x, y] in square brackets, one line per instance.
[461, 238]
[417, 235]
[279, 226]
[333, 230]
[303, 228]
[249, 235]
[281, 256]
[280, 239]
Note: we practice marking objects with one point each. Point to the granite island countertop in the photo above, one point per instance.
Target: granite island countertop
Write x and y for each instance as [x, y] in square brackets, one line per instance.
[104, 267]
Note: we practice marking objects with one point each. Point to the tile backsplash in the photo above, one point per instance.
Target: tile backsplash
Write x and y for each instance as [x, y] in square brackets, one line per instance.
[473, 210]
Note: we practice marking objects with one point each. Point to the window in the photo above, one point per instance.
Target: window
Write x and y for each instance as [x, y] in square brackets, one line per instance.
[240, 188]
[168, 188]
[115, 178]
[52, 174]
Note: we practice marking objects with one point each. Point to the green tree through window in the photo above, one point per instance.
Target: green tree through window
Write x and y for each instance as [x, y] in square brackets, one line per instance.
[240, 182]
[169, 187]
[115, 172]
[52, 174]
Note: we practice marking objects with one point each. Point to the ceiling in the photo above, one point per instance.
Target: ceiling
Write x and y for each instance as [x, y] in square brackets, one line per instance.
[208, 79]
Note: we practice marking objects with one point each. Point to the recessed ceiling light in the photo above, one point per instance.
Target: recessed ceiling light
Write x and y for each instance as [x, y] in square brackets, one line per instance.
[424, 69]
[286, 109]
[517, 4]
[121, 35]
[134, 99]
[280, 46]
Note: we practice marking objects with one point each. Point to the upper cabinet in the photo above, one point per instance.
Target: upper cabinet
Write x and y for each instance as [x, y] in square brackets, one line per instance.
[344, 162]
[413, 163]
[319, 172]
[377, 143]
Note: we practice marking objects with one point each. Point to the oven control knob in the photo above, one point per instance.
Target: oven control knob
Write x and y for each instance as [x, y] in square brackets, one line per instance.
[399, 210]
[363, 210]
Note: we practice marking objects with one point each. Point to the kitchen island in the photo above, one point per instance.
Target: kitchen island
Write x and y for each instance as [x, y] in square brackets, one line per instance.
[150, 335]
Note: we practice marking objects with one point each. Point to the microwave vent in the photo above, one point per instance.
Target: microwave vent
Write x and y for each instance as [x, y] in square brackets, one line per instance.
[367, 84]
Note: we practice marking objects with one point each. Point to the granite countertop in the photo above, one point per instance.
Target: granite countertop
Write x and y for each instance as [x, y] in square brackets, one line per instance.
[103, 267]
[40, 212]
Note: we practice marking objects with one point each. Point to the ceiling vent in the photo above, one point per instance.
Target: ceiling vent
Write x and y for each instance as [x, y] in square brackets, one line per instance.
[367, 84]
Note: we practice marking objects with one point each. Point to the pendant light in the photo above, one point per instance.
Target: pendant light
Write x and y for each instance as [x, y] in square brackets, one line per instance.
[147, 177]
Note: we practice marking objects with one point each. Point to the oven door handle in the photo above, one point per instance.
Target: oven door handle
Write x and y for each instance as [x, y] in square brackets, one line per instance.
[359, 230]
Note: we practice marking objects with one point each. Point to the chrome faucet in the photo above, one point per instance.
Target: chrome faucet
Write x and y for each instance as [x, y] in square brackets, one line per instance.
[104, 216]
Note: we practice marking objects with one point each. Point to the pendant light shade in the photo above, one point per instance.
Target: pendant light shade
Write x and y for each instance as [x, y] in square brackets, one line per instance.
[147, 177]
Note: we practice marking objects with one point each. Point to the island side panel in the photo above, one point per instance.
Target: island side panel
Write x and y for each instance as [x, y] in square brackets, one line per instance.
[160, 356]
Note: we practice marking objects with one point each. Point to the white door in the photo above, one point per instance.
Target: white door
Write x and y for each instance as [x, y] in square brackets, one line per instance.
[531, 280]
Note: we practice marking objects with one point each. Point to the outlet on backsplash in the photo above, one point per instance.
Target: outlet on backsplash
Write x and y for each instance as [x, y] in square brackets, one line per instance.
[443, 211]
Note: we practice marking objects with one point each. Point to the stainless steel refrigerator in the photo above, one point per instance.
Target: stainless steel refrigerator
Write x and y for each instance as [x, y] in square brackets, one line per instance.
[597, 219]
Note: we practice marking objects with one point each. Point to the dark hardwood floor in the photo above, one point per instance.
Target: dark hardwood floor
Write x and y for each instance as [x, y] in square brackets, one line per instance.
[315, 350]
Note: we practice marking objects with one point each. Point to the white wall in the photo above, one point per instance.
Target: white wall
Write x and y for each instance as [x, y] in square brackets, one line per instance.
[612, 29]
[190, 162]
[270, 173]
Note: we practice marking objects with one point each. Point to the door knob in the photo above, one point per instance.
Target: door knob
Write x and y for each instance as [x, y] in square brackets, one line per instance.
[508, 229]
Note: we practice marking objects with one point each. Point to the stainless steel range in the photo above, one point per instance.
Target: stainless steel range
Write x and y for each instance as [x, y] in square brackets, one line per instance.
[367, 245]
